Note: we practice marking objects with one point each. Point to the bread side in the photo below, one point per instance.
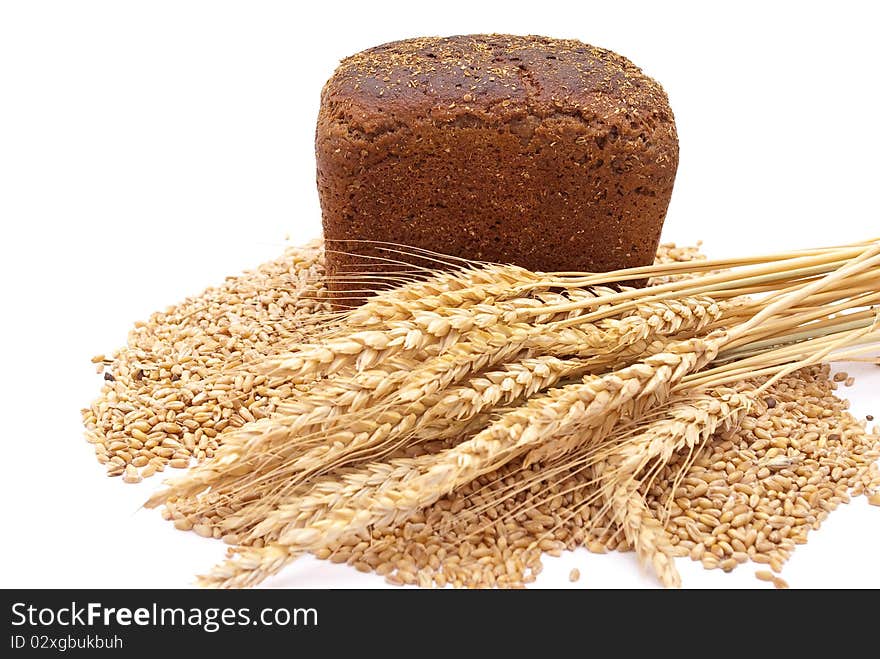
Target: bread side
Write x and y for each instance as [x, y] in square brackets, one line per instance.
[550, 154]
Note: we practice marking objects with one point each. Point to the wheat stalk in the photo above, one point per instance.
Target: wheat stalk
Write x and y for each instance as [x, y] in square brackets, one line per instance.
[250, 566]
[453, 289]
[656, 373]
[644, 533]
[441, 416]
[565, 413]
[688, 423]
[691, 418]
[429, 331]
[425, 405]
[384, 494]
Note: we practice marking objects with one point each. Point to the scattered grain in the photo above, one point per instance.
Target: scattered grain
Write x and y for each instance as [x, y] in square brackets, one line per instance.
[131, 475]
[765, 575]
[780, 583]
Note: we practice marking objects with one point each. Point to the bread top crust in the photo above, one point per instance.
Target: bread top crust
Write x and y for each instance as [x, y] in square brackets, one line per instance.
[488, 76]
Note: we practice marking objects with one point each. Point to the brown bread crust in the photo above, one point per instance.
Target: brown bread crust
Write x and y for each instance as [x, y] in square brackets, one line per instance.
[547, 153]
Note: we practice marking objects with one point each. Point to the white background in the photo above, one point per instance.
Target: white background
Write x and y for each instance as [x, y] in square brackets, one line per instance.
[148, 149]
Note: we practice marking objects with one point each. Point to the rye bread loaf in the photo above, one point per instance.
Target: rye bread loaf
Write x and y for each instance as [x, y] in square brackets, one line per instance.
[547, 153]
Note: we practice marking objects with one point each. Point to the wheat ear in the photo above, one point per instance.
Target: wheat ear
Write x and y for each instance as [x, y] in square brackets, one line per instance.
[502, 386]
[456, 412]
[688, 423]
[394, 502]
[432, 330]
[384, 494]
[420, 394]
[644, 533]
[249, 567]
[326, 402]
[559, 412]
[446, 289]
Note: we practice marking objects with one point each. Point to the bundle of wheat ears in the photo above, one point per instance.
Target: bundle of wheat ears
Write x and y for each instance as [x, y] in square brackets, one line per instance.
[485, 381]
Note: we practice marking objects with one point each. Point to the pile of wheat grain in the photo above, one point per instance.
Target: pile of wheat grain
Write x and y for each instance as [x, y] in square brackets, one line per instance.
[750, 497]
[169, 393]
[413, 439]
[757, 490]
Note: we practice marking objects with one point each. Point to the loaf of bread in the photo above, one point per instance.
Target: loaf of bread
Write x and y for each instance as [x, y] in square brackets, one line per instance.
[550, 154]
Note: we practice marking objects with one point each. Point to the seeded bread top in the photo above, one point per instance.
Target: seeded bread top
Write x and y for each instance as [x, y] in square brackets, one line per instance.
[446, 77]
